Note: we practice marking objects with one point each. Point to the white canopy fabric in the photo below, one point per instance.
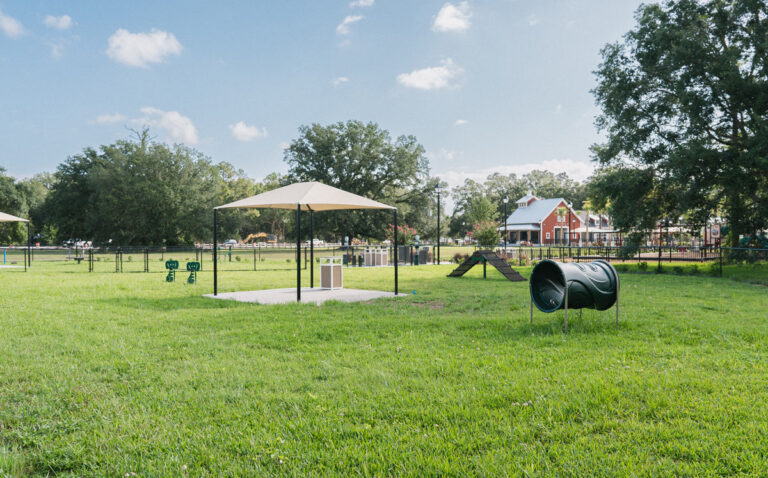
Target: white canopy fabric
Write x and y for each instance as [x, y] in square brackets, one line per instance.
[311, 196]
[8, 218]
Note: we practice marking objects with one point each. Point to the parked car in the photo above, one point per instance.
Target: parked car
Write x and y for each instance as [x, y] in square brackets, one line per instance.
[230, 242]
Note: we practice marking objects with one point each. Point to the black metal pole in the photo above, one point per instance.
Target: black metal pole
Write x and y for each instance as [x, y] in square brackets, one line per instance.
[505, 227]
[29, 247]
[438, 227]
[395, 245]
[312, 250]
[215, 256]
[298, 253]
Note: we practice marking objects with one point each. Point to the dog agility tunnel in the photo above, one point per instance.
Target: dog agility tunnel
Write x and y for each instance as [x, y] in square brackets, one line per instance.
[592, 285]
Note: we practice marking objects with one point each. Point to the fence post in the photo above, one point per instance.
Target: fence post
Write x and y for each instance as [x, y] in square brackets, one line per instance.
[721, 260]
[658, 268]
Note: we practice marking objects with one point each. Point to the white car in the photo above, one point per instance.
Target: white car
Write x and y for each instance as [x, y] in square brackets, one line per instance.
[230, 242]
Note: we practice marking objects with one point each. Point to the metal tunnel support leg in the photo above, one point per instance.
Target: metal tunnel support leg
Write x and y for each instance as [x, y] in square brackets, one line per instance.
[566, 307]
[617, 300]
[531, 311]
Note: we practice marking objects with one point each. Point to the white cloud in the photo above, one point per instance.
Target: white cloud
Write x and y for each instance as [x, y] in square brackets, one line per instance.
[460, 122]
[57, 50]
[442, 156]
[533, 20]
[141, 49]
[109, 119]
[343, 27]
[179, 128]
[431, 78]
[10, 26]
[578, 170]
[453, 18]
[340, 80]
[63, 22]
[361, 3]
[243, 132]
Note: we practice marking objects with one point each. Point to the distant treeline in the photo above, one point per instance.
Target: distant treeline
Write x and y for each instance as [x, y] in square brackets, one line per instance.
[140, 192]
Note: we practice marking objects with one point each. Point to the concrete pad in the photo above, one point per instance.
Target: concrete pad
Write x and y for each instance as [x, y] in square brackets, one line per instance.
[11, 267]
[310, 296]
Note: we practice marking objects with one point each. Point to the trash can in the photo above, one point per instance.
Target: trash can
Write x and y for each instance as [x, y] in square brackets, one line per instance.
[331, 273]
[592, 285]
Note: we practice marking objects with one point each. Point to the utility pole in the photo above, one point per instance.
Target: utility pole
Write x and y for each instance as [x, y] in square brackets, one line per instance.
[505, 200]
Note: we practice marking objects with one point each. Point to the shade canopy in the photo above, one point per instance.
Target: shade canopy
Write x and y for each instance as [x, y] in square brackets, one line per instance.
[311, 196]
[8, 218]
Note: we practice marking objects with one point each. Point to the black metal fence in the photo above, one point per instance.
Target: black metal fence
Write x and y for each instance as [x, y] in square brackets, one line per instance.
[283, 257]
[230, 258]
[522, 254]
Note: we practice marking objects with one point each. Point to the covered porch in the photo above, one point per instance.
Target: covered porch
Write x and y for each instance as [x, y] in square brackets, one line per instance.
[522, 234]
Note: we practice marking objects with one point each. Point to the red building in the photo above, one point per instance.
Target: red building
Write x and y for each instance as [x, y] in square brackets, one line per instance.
[540, 221]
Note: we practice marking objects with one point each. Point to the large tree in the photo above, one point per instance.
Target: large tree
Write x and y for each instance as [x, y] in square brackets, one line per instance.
[135, 192]
[684, 100]
[11, 202]
[363, 159]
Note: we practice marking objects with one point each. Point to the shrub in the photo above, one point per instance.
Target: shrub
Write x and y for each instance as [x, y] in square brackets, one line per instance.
[486, 233]
[694, 269]
[405, 233]
[677, 270]
[642, 266]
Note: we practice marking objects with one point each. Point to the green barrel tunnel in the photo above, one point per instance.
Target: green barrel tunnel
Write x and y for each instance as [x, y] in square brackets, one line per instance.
[593, 285]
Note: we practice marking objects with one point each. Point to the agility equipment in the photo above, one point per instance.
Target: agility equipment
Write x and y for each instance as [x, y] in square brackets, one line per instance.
[486, 256]
[192, 268]
[556, 285]
[171, 266]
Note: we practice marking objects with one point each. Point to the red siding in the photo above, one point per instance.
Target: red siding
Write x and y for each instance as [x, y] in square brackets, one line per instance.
[550, 222]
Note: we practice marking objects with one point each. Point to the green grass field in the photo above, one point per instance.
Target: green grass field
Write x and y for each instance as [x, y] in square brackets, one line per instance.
[111, 374]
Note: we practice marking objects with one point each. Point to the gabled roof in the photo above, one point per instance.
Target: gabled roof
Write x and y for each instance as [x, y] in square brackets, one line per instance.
[536, 212]
[311, 196]
[527, 198]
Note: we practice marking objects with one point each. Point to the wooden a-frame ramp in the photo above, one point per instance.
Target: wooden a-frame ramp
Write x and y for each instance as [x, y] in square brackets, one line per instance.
[490, 257]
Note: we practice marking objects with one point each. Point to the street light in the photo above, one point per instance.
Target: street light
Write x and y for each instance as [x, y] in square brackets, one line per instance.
[505, 201]
[437, 190]
[570, 219]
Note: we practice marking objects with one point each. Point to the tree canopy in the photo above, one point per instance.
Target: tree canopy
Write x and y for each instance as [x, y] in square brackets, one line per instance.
[684, 99]
[476, 202]
[135, 192]
[363, 159]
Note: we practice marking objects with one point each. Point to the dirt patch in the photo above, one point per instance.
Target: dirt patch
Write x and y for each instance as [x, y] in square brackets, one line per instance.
[433, 304]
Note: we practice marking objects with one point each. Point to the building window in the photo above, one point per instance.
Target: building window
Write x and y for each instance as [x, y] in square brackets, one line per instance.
[547, 235]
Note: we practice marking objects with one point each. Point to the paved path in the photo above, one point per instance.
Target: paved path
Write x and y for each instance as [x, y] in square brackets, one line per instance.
[311, 296]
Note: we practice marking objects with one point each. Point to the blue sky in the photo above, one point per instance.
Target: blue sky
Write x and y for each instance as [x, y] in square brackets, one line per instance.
[485, 85]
